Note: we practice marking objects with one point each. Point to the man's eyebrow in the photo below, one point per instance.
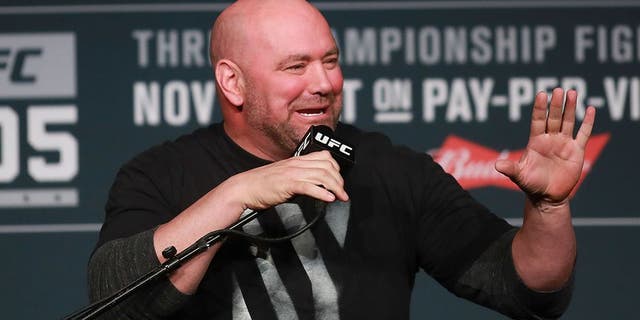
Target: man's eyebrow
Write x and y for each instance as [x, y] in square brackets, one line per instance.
[292, 58]
[333, 51]
[305, 57]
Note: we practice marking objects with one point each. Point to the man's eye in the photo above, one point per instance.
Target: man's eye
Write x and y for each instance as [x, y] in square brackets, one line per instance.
[296, 67]
[331, 62]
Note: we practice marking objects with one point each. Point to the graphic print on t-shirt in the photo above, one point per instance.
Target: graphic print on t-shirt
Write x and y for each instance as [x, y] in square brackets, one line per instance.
[324, 292]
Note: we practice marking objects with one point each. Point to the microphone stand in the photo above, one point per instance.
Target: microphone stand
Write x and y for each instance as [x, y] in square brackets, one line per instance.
[173, 262]
[317, 138]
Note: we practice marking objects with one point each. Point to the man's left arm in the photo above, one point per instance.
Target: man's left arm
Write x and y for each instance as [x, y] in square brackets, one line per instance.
[544, 249]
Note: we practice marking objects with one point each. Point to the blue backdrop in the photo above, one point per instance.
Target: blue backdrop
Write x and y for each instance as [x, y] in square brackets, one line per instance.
[85, 85]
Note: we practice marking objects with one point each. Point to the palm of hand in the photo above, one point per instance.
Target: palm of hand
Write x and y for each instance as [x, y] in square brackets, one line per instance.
[552, 163]
[550, 167]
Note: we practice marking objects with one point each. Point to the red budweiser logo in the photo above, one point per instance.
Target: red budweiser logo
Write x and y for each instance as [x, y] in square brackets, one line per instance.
[473, 164]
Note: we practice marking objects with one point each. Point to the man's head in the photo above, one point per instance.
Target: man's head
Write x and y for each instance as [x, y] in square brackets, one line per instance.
[277, 73]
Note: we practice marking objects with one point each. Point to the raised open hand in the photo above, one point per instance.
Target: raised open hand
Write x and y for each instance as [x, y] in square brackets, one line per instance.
[552, 162]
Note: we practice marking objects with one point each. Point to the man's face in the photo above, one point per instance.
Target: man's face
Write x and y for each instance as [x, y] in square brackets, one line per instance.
[292, 80]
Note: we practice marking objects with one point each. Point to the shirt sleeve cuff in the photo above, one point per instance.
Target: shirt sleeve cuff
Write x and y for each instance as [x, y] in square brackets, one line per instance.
[546, 304]
[119, 262]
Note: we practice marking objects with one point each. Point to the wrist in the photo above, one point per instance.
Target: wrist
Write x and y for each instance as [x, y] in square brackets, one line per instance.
[234, 192]
[545, 203]
[546, 206]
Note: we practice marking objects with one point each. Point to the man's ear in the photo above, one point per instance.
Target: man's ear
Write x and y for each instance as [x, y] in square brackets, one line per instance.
[230, 81]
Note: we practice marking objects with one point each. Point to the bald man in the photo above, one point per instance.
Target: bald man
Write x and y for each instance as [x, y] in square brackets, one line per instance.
[393, 213]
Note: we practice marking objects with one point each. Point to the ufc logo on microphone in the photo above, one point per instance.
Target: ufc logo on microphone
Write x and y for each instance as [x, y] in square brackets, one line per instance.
[37, 65]
[333, 144]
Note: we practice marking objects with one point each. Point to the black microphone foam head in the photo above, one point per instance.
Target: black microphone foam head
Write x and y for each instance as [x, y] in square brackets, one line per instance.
[320, 138]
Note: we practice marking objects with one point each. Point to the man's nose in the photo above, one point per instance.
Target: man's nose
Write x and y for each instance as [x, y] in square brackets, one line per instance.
[319, 82]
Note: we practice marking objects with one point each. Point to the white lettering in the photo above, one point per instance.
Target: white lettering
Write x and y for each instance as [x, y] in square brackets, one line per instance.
[390, 41]
[322, 138]
[429, 45]
[583, 41]
[481, 95]
[481, 47]
[360, 49]
[434, 94]
[167, 48]
[9, 144]
[146, 104]
[392, 94]
[349, 95]
[634, 103]
[410, 43]
[64, 143]
[192, 48]
[612, 44]
[333, 143]
[176, 103]
[142, 39]
[621, 44]
[170, 48]
[545, 41]
[153, 103]
[616, 93]
[506, 44]
[346, 149]
[459, 106]
[602, 44]
[525, 45]
[455, 40]
[203, 100]
[520, 93]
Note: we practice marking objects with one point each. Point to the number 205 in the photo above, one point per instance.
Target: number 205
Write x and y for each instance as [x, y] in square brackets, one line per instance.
[38, 118]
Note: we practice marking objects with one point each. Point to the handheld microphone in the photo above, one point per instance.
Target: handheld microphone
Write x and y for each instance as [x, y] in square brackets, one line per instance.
[320, 138]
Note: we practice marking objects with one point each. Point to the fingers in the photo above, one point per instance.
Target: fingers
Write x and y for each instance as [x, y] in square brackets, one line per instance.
[316, 175]
[319, 169]
[321, 155]
[569, 117]
[554, 119]
[587, 125]
[560, 117]
[318, 181]
[315, 191]
[507, 168]
[311, 163]
[320, 186]
[539, 115]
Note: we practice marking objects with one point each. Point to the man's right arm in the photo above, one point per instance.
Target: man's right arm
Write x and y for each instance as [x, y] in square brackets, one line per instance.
[255, 189]
[315, 175]
[120, 262]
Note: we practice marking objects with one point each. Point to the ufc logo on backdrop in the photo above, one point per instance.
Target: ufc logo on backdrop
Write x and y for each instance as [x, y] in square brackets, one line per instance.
[35, 65]
[17, 74]
[37, 80]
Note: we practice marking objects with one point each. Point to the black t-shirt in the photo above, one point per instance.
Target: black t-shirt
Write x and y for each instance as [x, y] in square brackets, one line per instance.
[404, 213]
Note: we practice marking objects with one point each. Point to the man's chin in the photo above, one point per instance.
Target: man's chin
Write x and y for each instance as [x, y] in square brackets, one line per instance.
[303, 130]
[326, 122]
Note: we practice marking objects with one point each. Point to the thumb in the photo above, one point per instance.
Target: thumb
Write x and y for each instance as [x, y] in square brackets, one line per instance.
[506, 167]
